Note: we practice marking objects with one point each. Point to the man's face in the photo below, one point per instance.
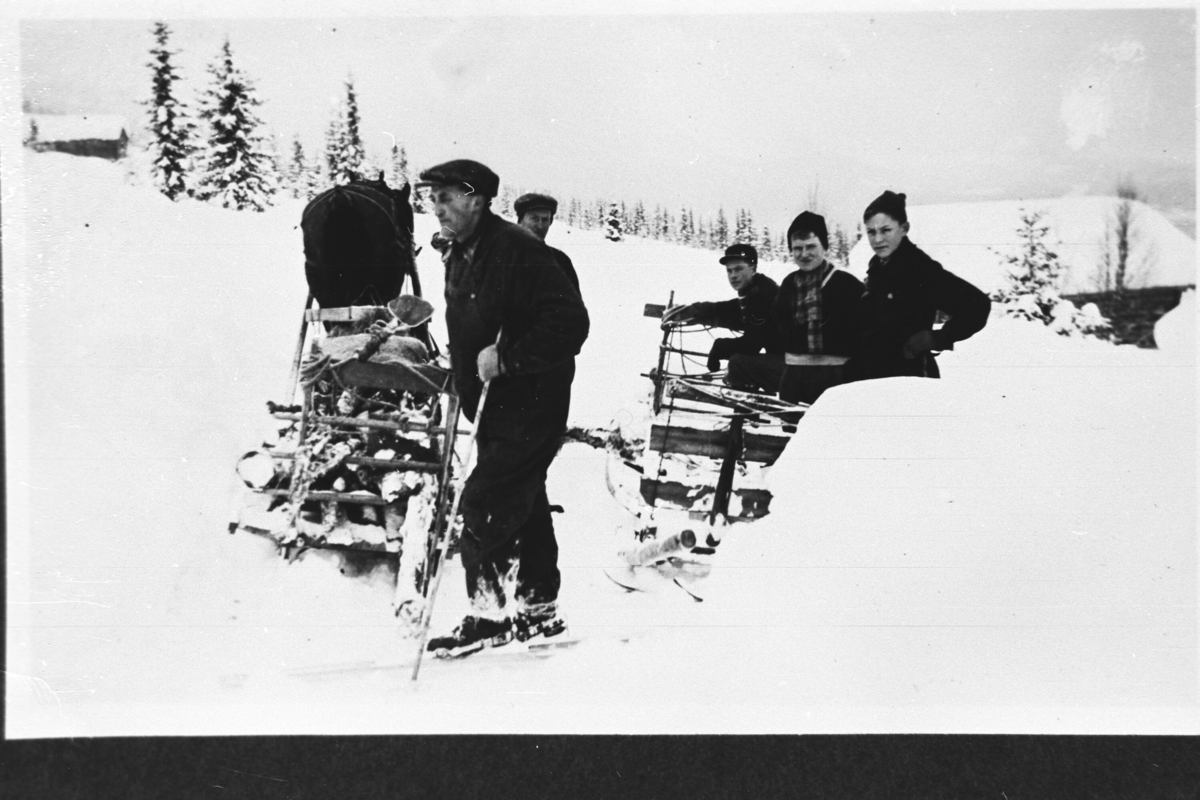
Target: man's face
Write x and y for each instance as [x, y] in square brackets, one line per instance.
[885, 234]
[808, 254]
[740, 273]
[456, 210]
[538, 220]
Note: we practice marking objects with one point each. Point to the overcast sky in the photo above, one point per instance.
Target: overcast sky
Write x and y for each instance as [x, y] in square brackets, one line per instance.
[754, 111]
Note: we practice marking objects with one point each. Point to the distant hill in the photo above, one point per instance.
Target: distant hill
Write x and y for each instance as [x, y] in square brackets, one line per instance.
[970, 239]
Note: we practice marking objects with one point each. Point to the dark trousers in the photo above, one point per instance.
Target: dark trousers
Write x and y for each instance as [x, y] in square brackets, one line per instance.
[757, 373]
[725, 349]
[506, 515]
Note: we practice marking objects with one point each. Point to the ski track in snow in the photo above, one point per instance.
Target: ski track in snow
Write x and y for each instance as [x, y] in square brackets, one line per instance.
[1009, 549]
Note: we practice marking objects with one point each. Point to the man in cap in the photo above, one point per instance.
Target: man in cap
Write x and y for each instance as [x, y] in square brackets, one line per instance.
[816, 313]
[535, 213]
[514, 319]
[749, 312]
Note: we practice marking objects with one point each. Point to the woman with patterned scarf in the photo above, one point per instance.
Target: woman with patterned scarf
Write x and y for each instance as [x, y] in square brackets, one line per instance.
[817, 313]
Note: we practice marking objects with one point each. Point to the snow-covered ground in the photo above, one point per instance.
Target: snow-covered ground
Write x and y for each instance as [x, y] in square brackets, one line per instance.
[1012, 548]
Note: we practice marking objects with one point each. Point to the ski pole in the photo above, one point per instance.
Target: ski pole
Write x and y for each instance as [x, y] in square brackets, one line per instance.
[427, 613]
[291, 387]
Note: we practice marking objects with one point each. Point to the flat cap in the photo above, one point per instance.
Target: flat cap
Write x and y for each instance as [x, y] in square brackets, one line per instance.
[471, 174]
[741, 252]
[528, 202]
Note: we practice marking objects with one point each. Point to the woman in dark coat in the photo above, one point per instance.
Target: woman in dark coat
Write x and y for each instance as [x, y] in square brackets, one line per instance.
[905, 290]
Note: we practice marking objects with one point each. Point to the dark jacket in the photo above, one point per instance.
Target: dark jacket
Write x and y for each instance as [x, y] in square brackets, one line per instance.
[749, 312]
[904, 297]
[505, 277]
[841, 297]
[564, 261]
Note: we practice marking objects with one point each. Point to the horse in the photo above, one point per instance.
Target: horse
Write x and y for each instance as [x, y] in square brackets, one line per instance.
[358, 244]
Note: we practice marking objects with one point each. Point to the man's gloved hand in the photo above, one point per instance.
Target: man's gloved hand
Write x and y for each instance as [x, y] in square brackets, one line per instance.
[922, 342]
[488, 363]
[679, 315]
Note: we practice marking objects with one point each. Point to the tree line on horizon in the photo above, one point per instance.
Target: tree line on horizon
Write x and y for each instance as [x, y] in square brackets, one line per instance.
[219, 151]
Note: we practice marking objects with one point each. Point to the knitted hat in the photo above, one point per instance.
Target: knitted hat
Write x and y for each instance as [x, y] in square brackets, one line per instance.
[528, 202]
[888, 203]
[808, 224]
[471, 174]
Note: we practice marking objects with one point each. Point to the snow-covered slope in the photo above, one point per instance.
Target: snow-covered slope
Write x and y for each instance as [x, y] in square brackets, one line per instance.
[971, 240]
[1009, 549]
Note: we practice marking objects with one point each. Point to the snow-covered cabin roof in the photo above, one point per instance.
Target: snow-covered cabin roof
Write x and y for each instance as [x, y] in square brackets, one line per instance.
[969, 239]
[77, 127]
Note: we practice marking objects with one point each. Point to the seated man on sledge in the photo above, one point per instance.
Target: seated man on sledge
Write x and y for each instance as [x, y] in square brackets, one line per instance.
[816, 315]
[748, 313]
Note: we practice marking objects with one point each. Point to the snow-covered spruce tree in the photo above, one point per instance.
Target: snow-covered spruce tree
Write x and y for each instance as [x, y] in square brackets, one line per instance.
[612, 223]
[335, 168]
[398, 177]
[667, 230]
[171, 129]
[296, 174]
[720, 231]
[504, 202]
[766, 248]
[345, 157]
[1032, 290]
[237, 163]
[354, 153]
[839, 244]
[640, 226]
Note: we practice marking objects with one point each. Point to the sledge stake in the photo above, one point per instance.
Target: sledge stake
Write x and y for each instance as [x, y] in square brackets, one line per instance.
[291, 387]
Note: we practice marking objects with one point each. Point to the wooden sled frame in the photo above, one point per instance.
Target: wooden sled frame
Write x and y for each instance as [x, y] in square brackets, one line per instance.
[725, 445]
[427, 379]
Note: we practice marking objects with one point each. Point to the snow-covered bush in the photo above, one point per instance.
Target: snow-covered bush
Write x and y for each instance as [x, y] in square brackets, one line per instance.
[1032, 290]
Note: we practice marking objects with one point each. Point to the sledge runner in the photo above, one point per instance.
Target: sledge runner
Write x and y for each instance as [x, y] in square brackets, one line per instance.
[749, 312]
[513, 319]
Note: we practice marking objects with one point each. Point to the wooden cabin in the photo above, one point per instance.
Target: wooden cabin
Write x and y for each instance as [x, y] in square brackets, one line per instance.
[97, 135]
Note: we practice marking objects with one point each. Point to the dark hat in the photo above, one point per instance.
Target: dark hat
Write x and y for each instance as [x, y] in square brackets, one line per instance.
[808, 223]
[528, 202]
[741, 252]
[475, 176]
[888, 203]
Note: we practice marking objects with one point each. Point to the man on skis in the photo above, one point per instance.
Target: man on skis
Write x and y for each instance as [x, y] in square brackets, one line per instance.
[535, 213]
[748, 313]
[513, 319]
